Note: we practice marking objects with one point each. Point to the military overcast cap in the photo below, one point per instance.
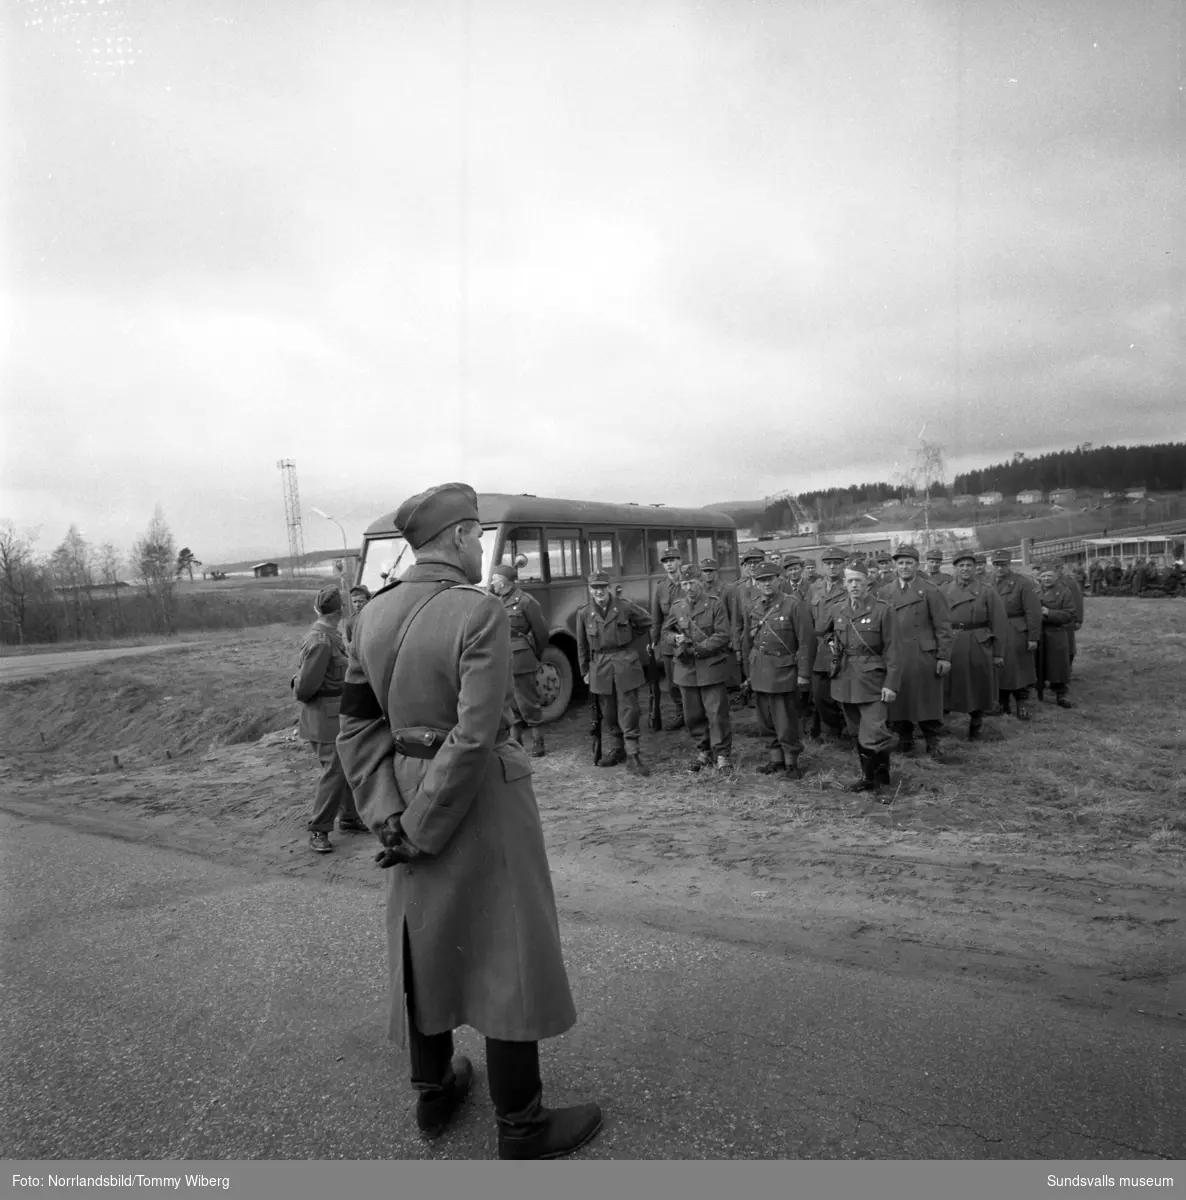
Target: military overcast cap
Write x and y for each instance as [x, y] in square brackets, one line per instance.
[858, 566]
[791, 560]
[361, 589]
[688, 571]
[962, 556]
[753, 554]
[329, 599]
[833, 554]
[670, 551]
[934, 555]
[981, 560]
[906, 550]
[767, 570]
[421, 517]
[884, 557]
[599, 579]
[1001, 557]
[709, 564]
[506, 570]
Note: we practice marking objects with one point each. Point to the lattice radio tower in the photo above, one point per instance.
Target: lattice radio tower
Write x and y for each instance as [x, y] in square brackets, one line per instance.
[292, 515]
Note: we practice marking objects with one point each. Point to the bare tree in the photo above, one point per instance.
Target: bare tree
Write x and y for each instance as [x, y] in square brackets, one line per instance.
[110, 563]
[153, 559]
[926, 472]
[72, 565]
[17, 578]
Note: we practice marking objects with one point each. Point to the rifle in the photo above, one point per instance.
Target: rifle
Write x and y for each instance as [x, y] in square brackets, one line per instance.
[656, 690]
[595, 728]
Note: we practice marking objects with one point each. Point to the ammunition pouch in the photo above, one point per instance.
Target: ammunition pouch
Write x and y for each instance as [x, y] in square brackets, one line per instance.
[419, 741]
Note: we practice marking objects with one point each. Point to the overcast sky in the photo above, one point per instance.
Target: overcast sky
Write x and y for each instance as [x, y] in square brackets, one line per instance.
[680, 252]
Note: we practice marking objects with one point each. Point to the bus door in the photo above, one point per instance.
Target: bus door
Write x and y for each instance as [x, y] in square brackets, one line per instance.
[567, 589]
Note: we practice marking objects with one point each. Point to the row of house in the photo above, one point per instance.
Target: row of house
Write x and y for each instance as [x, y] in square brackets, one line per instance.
[1033, 496]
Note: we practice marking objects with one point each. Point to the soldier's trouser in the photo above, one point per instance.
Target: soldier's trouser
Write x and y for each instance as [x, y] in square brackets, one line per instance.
[525, 699]
[866, 723]
[821, 693]
[672, 687]
[512, 1067]
[905, 729]
[621, 712]
[778, 720]
[334, 796]
[1021, 695]
[706, 710]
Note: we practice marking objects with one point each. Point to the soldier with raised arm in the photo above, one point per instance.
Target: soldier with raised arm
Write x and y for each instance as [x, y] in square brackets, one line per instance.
[472, 932]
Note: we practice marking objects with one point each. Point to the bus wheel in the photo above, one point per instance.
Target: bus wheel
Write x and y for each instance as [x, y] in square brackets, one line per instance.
[554, 680]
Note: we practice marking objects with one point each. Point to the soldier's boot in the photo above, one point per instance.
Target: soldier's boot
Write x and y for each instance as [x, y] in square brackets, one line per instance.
[614, 758]
[1061, 700]
[1041, 694]
[1023, 713]
[881, 771]
[679, 722]
[1002, 708]
[537, 744]
[436, 1106]
[536, 1132]
[975, 726]
[635, 765]
[793, 770]
[905, 732]
[816, 727]
[517, 731]
[933, 750]
[724, 763]
[774, 767]
[703, 759]
[868, 780]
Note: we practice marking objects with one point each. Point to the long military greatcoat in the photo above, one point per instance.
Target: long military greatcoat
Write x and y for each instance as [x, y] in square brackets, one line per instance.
[778, 643]
[979, 633]
[479, 915]
[923, 627]
[1019, 594]
[869, 639]
[1054, 649]
[317, 684]
[529, 630]
[604, 645]
[706, 659]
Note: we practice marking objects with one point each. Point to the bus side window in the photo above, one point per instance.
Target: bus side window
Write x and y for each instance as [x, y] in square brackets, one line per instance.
[564, 554]
[633, 545]
[704, 546]
[726, 551]
[657, 539]
[525, 541]
[685, 539]
[601, 553]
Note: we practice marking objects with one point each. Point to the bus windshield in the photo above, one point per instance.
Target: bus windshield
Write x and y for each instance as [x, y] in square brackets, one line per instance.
[389, 558]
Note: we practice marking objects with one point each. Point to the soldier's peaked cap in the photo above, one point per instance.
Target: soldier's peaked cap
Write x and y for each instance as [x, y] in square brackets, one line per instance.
[421, 517]
[791, 560]
[884, 557]
[906, 550]
[833, 554]
[935, 554]
[709, 564]
[506, 570]
[361, 589]
[670, 551]
[599, 579]
[689, 571]
[329, 599]
[858, 565]
[1001, 557]
[753, 554]
[963, 556]
[766, 570]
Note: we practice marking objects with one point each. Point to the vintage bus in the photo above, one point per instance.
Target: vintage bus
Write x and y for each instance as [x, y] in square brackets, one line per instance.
[555, 544]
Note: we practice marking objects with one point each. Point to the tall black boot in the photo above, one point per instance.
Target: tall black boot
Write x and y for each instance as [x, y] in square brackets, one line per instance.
[881, 770]
[868, 781]
[905, 732]
[436, 1106]
[975, 725]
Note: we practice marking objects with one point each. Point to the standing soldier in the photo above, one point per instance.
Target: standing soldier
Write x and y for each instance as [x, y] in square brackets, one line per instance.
[863, 626]
[923, 627]
[666, 594]
[810, 572]
[727, 594]
[826, 591]
[778, 644]
[885, 571]
[472, 930]
[317, 684]
[1054, 647]
[1024, 611]
[699, 636]
[744, 594]
[1071, 583]
[1096, 577]
[529, 637]
[606, 631]
[981, 567]
[359, 595]
[979, 634]
[793, 583]
[935, 573]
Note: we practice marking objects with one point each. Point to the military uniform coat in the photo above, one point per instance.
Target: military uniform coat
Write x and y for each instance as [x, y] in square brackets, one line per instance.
[778, 643]
[979, 633]
[1023, 610]
[823, 594]
[605, 645]
[666, 594]
[868, 638]
[923, 627]
[1054, 649]
[479, 915]
[529, 630]
[317, 684]
[705, 660]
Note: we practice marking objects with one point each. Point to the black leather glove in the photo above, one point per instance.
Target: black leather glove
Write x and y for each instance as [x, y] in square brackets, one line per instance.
[396, 847]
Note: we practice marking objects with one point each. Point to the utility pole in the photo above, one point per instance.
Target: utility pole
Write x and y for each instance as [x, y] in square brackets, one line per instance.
[292, 515]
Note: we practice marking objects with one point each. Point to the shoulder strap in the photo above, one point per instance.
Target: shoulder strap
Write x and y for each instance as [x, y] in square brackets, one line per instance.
[417, 609]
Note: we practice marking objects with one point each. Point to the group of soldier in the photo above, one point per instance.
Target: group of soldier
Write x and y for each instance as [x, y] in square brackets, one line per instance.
[1136, 576]
[870, 649]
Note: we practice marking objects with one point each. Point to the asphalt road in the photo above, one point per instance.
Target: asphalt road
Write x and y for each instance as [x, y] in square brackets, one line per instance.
[30, 666]
[157, 1005]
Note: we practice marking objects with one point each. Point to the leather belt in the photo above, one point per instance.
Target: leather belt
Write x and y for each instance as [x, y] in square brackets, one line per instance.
[969, 624]
[864, 653]
[419, 741]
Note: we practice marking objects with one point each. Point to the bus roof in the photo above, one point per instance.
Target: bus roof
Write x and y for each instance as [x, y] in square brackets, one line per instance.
[497, 507]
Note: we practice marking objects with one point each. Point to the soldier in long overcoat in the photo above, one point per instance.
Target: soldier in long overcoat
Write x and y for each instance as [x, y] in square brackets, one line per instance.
[827, 713]
[529, 637]
[979, 634]
[923, 627]
[701, 644]
[710, 572]
[607, 629]
[473, 936]
[665, 595]
[1019, 594]
[317, 685]
[1072, 584]
[1054, 649]
[744, 594]
[778, 644]
[870, 672]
